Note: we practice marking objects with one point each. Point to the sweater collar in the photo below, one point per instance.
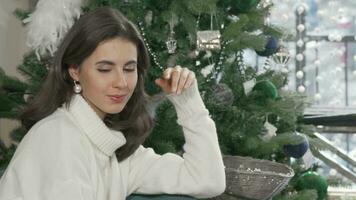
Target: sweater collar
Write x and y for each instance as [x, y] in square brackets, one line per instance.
[107, 140]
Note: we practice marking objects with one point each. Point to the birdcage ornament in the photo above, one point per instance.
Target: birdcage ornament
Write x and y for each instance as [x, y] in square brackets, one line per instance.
[171, 44]
[209, 39]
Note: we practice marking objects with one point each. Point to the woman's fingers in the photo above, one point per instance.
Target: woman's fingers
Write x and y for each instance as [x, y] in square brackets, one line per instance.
[175, 76]
[190, 80]
[182, 80]
[175, 80]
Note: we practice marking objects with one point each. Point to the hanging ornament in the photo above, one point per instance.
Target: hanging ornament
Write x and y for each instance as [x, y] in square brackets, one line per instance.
[268, 132]
[313, 181]
[207, 70]
[270, 48]
[148, 18]
[297, 150]
[49, 23]
[223, 96]
[282, 56]
[171, 43]
[209, 39]
[266, 89]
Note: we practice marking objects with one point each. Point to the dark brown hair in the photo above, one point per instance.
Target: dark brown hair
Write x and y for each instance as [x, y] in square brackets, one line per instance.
[80, 42]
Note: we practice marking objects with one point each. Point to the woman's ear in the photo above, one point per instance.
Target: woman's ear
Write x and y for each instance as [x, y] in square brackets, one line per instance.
[73, 71]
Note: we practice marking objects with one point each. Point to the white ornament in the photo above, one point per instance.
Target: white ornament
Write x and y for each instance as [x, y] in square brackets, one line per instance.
[300, 43]
[301, 89]
[248, 85]
[300, 74]
[269, 133]
[300, 57]
[338, 37]
[197, 63]
[301, 9]
[49, 23]
[332, 37]
[301, 27]
[208, 54]
[207, 70]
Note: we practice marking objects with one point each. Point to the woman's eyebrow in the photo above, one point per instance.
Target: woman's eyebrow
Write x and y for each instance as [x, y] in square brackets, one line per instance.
[130, 62]
[107, 62]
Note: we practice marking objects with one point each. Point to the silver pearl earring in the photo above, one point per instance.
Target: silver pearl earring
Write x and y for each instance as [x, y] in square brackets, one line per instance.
[77, 88]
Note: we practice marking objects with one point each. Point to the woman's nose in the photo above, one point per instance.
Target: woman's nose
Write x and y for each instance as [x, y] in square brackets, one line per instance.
[120, 80]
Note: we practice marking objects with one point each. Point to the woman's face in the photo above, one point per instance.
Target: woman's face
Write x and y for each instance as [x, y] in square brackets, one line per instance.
[108, 76]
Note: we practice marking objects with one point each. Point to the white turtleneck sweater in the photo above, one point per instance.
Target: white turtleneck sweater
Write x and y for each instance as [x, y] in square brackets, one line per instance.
[70, 155]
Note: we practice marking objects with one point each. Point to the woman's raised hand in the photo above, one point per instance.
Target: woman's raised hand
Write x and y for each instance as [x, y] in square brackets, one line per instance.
[175, 80]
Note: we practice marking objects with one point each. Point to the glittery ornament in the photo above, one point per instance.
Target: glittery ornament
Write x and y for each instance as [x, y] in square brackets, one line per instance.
[297, 150]
[266, 89]
[312, 180]
[222, 96]
[171, 44]
[270, 48]
[208, 40]
[282, 56]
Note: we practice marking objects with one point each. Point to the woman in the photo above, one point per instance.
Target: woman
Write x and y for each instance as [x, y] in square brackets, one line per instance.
[88, 123]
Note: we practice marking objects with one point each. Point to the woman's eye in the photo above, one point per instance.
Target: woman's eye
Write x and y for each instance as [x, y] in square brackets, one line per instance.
[104, 70]
[130, 69]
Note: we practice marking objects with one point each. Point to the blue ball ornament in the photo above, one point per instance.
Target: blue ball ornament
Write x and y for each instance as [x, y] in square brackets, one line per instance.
[270, 48]
[298, 150]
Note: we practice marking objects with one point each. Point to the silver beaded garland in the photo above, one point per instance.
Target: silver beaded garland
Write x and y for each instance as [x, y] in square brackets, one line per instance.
[148, 46]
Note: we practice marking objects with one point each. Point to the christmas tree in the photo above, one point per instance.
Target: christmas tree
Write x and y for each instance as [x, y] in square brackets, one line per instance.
[254, 114]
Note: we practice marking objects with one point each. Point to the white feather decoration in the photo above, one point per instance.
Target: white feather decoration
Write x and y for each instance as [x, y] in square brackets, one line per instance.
[49, 23]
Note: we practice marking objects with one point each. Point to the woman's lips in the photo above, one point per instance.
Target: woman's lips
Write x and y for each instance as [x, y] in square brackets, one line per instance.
[117, 98]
